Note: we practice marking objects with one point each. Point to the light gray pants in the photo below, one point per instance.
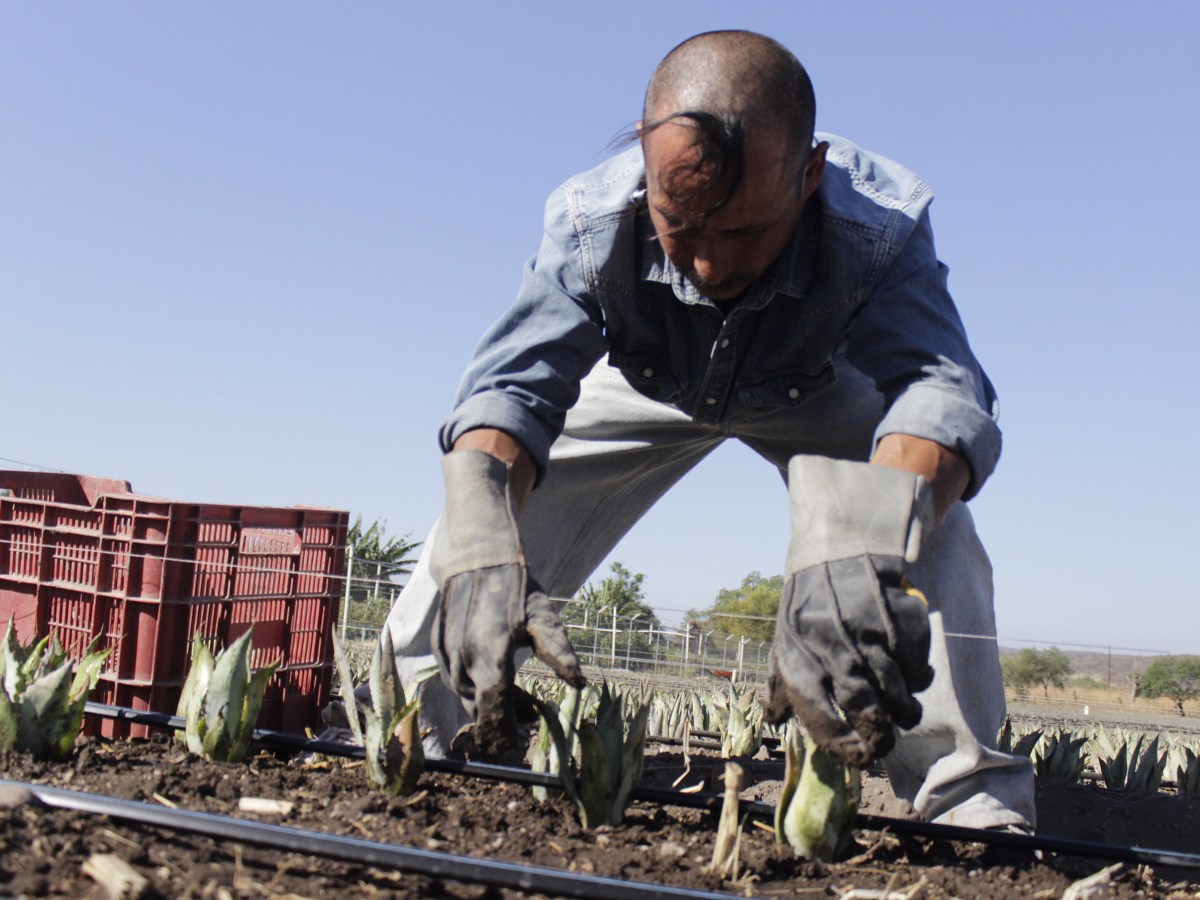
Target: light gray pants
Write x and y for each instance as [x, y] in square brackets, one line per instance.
[620, 452]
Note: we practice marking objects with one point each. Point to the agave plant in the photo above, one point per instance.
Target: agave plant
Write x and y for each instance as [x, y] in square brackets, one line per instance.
[1062, 756]
[729, 831]
[41, 703]
[389, 730]
[1187, 772]
[221, 699]
[1134, 769]
[819, 801]
[545, 755]
[742, 735]
[611, 750]
[1024, 744]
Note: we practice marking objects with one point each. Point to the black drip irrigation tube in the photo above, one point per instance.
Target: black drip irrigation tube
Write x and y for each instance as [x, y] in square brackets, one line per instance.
[431, 863]
[704, 800]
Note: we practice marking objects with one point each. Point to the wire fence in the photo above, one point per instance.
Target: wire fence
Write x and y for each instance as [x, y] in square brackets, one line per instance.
[633, 645]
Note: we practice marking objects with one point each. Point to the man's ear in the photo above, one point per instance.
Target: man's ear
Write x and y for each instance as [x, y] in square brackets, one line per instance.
[814, 168]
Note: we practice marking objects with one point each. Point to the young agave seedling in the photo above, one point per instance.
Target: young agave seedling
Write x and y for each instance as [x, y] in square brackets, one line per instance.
[1187, 773]
[742, 735]
[819, 801]
[610, 758]
[1062, 756]
[41, 704]
[392, 734]
[221, 699]
[545, 755]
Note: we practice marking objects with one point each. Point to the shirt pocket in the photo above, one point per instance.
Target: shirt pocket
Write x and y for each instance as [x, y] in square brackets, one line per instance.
[648, 373]
[786, 388]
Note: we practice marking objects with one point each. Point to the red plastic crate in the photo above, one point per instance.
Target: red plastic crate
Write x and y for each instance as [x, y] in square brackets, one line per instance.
[81, 556]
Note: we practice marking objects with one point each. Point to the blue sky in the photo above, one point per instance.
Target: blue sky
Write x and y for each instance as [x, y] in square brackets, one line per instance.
[246, 250]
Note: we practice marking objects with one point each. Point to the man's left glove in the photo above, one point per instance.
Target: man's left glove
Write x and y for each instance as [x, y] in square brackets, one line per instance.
[489, 607]
[851, 630]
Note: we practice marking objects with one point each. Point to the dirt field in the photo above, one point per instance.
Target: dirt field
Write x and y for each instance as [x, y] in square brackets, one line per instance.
[42, 852]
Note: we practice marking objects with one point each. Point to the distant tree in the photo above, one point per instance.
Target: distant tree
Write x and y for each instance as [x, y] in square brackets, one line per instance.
[374, 544]
[622, 590]
[1176, 677]
[376, 559]
[621, 593]
[757, 597]
[1030, 667]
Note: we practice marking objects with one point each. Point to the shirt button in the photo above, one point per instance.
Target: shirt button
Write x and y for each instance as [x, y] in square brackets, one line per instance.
[724, 343]
[794, 393]
[647, 372]
[711, 401]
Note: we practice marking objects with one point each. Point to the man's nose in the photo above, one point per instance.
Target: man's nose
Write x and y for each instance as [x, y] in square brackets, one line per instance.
[712, 262]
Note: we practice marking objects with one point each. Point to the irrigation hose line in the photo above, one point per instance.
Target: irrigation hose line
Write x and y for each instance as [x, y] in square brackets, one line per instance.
[432, 863]
[702, 800]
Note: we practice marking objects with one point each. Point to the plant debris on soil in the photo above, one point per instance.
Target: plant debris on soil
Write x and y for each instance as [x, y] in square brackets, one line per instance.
[43, 851]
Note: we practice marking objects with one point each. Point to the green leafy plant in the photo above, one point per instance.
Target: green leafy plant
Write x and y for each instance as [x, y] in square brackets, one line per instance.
[221, 700]
[1024, 744]
[819, 801]
[611, 749]
[1061, 756]
[390, 730]
[41, 703]
[742, 735]
[1133, 769]
[545, 753]
[1187, 773]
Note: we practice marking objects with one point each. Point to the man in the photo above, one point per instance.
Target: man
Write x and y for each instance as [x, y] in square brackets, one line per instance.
[733, 277]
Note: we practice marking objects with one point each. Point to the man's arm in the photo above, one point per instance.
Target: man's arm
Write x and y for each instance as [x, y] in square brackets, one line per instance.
[508, 450]
[948, 473]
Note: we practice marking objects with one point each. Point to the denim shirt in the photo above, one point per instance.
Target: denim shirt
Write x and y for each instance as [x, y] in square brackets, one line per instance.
[859, 276]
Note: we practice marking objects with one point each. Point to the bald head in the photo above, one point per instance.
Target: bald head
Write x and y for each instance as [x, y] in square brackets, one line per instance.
[733, 85]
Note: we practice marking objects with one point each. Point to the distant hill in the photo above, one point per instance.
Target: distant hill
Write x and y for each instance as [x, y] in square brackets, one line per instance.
[1098, 664]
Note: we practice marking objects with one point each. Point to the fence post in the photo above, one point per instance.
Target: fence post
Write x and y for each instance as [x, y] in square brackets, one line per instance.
[346, 593]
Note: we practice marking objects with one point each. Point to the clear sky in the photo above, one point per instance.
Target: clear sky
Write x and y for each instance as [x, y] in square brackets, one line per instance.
[246, 250]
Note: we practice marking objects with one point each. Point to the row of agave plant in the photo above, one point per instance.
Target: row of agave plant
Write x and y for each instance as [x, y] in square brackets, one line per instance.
[594, 738]
[1126, 760]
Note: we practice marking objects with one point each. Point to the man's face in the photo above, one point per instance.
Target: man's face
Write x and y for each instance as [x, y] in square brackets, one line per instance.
[721, 252]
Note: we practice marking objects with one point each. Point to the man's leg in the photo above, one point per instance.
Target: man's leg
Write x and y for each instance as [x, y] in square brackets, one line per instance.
[947, 767]
[618, 454]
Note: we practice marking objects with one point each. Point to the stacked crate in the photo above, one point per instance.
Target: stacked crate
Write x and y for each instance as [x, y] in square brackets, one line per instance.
[83, 556]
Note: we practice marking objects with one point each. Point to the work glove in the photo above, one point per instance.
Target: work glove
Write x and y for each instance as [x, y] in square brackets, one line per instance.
[852, 633]
[489, 607]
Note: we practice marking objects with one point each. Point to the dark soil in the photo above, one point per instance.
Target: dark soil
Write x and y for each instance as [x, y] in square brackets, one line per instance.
[42, 851]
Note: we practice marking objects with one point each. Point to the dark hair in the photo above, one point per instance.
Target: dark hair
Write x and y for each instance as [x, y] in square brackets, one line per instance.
[729, 84]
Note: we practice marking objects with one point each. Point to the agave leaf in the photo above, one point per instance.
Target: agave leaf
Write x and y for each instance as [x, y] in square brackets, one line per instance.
[226, 695]
[1146, 775]
[632, 758]
[346, 687]
[42, 715]
[251, 707]
[1026, 743]
[596, 777]
[87, 673]
[404, 757]
[549, 715]
[191, 698]
[8, 724]
[729, 833]
[820, 800]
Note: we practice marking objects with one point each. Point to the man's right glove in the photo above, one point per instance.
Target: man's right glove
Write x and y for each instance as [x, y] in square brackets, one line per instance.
[851, 629]
[488, 606]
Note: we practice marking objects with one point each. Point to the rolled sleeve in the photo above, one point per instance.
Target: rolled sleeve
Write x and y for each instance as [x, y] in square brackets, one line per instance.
[909, 338]
[525, 372]
[930, 410]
